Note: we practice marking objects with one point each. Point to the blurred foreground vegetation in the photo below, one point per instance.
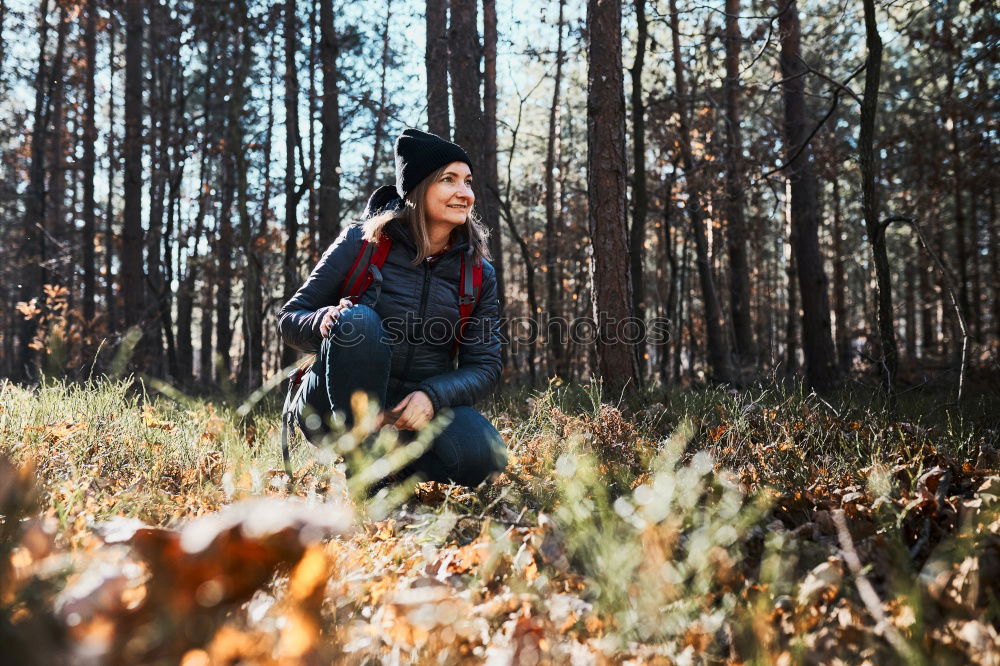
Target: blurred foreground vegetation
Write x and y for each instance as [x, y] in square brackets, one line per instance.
[683, 526]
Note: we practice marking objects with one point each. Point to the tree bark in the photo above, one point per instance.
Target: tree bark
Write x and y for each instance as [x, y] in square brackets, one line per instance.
[291, 140]
[640, 197]
[739, 271]
[89, 159]
[109, 218]
[718, 349]
[436, 61]
[869, 194]
[33, 243]
[606, 165]
[817, 341]
[252, 366]
[329, 154]
[132, 279]
[842, 333]
[471, 131]
[491, 191]
[552, 300]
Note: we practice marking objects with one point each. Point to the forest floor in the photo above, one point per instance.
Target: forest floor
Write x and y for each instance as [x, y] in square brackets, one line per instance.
[697, 525]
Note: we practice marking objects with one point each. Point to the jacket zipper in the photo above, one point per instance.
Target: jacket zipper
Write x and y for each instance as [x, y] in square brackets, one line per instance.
[428, 268]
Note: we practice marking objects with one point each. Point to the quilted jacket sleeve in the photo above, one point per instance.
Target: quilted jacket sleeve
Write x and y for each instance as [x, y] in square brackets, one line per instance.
[479, 364]
[300, 317]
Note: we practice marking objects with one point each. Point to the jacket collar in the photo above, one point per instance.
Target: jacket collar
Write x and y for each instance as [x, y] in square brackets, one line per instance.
[399, 230]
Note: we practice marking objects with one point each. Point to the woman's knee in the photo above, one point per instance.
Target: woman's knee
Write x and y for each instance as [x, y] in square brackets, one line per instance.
[358, 324]
[359, 330]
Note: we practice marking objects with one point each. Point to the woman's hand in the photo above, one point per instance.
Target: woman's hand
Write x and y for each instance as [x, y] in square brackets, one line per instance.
[415, 411]
[331, 316]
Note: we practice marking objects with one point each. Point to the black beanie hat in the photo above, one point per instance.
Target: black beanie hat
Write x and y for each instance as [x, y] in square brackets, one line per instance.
[419, 154]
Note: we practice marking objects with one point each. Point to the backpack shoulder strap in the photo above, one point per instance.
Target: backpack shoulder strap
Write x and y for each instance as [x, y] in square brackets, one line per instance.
[470, 281]
[359, 278]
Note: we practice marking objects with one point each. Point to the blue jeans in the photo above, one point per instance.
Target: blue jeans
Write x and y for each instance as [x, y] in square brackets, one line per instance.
[356, 358]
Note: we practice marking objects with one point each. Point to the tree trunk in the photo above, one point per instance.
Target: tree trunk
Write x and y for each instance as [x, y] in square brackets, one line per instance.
[329, 154]
[557, 350]
[89, 159]
[817, 341]
[109, 218]
[910, 312]
[436, 61]
[186, 294]
[718, 349]
[640, 198]
[55, 225]
[205, 361]
[995, 265]
[291, 140]
[160, 102]
[840, 283]
[33, 243]
[869, 194]
[132, 279]
[252, 366]
[311, 207]
[491, 203]
[471, 131]
[739, 271]
[606, 165]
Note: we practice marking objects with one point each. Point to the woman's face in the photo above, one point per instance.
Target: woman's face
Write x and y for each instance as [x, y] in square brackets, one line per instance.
[449, 198]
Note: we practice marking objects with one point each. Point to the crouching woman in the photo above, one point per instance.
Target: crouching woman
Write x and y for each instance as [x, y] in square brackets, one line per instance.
[396, 340]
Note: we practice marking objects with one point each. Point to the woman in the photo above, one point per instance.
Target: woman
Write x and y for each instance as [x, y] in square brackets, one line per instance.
[393, 343]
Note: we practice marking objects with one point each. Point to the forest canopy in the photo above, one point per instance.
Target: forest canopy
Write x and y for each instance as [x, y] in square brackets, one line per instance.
[741, 171]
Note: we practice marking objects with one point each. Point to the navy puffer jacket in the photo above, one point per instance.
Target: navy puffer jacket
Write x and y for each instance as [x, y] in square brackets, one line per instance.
[419, 310]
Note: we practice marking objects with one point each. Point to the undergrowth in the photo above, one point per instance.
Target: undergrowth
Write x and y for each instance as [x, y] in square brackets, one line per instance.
[683, 525]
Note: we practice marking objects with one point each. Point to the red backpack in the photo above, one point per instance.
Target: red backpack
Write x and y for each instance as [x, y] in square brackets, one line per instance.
[359, 278]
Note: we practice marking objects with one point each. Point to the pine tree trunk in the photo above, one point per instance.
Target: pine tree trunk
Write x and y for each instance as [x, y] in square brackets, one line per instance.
[840, 283]
[640, 198]
[870, 204]
[436, 61]
[252, 366]
[718, 349]
[552, 300]
[89, 159]
[739, 271]
[471, 128]
[205, 357]
[109, 217]
[152, 342]
[817, 341]
[606, 166]
[329, 154]
[491, 209]
[792, 314]
[291, 135]
[33, 244]
[55, 224]
[132, 278]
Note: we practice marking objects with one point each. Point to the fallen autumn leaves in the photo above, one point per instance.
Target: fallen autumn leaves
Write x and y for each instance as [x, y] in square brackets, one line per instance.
[603, 543]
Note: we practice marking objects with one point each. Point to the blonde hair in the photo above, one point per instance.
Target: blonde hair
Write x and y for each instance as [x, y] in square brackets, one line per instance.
[414, 214]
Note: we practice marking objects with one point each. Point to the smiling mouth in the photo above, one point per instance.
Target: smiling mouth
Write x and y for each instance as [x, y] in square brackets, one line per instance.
[457, 206]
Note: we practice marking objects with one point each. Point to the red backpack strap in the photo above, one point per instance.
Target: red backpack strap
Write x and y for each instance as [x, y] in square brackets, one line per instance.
[359, 278]
[470, 283]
